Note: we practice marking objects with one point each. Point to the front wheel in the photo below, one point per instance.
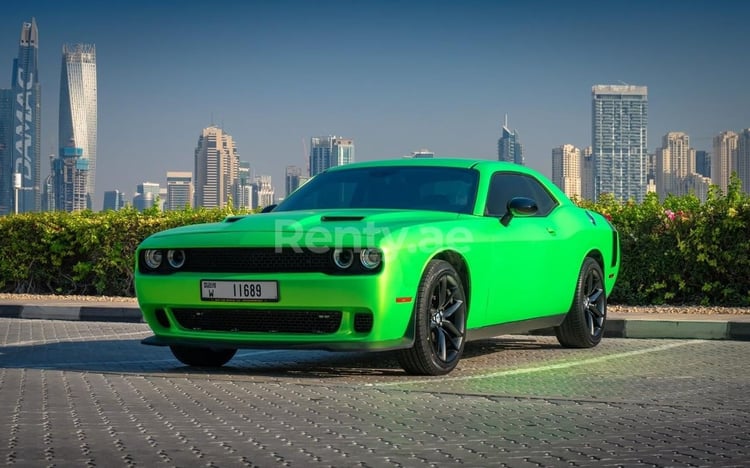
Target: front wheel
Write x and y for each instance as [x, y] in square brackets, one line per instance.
[583, 327]
[440, 320]
[202, 357]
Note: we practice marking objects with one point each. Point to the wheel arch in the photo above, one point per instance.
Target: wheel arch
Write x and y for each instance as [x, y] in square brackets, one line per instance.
[458, 262]
[596, 255]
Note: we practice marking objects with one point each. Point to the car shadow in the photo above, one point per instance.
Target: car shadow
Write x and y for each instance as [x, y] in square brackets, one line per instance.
[130, 356]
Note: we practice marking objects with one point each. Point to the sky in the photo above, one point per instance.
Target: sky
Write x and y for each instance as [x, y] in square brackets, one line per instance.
[395, 76]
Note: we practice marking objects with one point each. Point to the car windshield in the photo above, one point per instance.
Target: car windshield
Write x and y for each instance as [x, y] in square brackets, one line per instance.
[395, 187]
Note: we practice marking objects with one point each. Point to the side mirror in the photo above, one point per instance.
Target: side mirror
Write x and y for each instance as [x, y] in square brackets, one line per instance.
[519, 206]
[269, 208]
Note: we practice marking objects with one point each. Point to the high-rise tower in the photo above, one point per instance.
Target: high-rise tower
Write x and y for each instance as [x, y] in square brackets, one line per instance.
[217, 166]
[180, 190]
[619, 117]
[509, 147]
[743, 159]
[724, 158]
[566, 169]
[6, 145]
[78, 107]
[329, 151]
[675, 162]
[20, 152]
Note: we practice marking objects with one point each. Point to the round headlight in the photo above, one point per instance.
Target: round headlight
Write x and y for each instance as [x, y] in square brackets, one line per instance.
[343, 258]
[152, 258]
[176, 258]
[370, 258]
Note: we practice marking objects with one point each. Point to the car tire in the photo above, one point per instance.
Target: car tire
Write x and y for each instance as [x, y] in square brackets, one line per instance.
[440, 322]
[202, 357]
[583, 326]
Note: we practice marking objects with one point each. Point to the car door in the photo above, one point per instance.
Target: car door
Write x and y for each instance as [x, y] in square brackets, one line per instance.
[523, 285]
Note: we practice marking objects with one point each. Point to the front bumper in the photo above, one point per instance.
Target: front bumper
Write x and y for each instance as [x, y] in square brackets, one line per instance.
[172, 307]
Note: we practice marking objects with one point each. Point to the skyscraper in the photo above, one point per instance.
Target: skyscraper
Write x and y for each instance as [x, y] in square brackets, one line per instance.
[6, 145]
[587, 174]
[743, 159]
[723, 158]
[113, 200]
[146, 196]
[619, 140]
[329, 151]
[675, 162]
[703, 163]
[566, 169]
[343, 151]
[217, 165]
[21, 133]
[292, 179]
[70, 174]
[78, 107]
[180, 190]
[509, 147]
[244, 188]
[266, 195]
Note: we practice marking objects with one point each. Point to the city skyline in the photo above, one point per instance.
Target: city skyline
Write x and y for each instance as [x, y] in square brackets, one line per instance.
[394, 78]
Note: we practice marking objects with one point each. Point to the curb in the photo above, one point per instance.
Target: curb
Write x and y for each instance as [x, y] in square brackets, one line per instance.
[70, 312]
[618, 326]
[678, 329]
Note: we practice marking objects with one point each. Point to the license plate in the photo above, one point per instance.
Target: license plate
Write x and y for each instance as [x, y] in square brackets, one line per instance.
[239, 291]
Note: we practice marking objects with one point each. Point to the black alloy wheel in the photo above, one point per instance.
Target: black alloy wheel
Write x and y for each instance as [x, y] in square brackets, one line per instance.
[202, 357]
[440, 320]
[583, 327]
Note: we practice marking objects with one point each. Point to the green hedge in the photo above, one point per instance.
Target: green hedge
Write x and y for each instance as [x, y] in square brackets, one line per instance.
[679, 251]
[82, 253]
[682, 251]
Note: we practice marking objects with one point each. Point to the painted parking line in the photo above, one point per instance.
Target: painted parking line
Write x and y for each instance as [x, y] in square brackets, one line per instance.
[529, 370]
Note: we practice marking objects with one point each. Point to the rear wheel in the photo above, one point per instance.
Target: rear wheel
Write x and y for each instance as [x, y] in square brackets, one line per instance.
[583, 327]
[440, 319]
[202, 357]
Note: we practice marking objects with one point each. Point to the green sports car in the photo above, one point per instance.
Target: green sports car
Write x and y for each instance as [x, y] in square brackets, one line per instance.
[414, 255]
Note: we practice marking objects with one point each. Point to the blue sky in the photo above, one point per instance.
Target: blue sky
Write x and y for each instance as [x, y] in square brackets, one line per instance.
[395, 76]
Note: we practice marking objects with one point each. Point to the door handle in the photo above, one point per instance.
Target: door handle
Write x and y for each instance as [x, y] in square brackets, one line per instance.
[551, 231]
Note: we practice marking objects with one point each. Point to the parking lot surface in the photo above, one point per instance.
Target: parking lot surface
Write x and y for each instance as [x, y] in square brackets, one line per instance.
[77, 393]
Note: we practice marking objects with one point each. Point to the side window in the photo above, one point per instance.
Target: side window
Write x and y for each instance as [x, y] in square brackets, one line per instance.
[506, 185]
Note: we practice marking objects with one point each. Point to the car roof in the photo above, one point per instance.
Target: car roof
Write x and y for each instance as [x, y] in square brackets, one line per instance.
[465, 163]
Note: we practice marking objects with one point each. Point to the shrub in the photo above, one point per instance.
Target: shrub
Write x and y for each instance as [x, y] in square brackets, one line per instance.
[683, 251]
[82, 253]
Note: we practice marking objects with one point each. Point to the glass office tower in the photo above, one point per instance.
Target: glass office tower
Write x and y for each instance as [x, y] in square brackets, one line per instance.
[619, 140]
[22, 128]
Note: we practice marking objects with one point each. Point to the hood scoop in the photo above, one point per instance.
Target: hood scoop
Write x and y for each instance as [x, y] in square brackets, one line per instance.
[341, 218]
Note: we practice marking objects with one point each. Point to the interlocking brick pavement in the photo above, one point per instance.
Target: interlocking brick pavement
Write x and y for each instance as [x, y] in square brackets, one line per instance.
[88, 394]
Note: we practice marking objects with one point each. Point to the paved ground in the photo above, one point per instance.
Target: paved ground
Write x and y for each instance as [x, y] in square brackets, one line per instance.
[81, 390]
[82, 393]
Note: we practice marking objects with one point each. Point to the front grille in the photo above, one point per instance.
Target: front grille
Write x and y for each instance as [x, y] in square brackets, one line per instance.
[257, 260]
[260, 320]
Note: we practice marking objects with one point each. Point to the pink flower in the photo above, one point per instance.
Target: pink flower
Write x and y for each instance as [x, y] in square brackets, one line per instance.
[670, 214]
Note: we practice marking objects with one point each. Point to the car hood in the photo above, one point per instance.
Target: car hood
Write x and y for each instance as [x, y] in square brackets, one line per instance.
[256, 228]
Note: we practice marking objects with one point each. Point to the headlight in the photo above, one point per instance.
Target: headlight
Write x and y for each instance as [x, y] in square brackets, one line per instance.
[343, 258]
[176, 258]
[370, 258]
[152, 258]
